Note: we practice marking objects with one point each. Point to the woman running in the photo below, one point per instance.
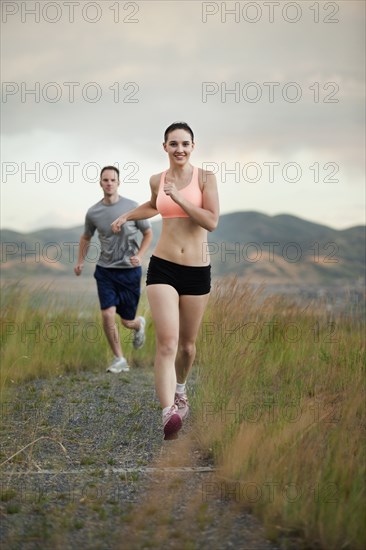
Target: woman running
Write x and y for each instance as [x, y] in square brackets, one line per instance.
[179, 274]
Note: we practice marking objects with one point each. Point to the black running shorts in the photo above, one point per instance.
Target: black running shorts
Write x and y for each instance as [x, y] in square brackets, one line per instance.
[186, 279]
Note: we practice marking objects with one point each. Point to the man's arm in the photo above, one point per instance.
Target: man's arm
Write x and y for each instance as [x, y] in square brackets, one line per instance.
[145, 243]
[83, 250]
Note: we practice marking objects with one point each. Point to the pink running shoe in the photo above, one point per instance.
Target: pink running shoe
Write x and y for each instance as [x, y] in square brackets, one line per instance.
[181, 401]
[172, 423]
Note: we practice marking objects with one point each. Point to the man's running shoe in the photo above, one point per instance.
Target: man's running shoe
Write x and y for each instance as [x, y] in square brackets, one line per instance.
[119, 364]
[139, 338]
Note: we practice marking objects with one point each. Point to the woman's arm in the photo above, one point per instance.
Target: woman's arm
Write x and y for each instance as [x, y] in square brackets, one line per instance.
[147, 236]
[207, 216]
[142, 212]
[145, 243]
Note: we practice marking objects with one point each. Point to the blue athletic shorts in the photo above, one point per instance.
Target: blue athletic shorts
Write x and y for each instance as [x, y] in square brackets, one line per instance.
[120, 288]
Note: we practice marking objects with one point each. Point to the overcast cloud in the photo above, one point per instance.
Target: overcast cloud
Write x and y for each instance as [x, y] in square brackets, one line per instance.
[299, 101]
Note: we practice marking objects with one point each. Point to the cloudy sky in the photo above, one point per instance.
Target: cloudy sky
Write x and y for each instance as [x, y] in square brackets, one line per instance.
[274, 92]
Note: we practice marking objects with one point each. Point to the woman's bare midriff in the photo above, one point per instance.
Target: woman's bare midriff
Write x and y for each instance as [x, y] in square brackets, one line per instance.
[183, 242]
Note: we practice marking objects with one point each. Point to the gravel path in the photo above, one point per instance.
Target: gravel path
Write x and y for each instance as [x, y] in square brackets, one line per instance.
[94, 473]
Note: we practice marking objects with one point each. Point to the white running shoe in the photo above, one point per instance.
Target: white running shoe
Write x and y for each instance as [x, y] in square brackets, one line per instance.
[119, 364]
[139, 338]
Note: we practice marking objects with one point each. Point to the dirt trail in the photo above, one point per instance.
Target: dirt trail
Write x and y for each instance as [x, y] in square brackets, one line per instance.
[94, 473]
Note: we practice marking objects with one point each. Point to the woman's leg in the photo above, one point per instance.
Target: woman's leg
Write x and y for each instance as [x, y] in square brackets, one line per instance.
[191, 310]
[164, 306]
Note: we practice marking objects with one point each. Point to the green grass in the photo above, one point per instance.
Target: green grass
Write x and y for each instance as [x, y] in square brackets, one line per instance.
[44, 335]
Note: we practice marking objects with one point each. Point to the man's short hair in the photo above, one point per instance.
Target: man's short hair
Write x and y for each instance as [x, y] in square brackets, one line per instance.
[109, 168]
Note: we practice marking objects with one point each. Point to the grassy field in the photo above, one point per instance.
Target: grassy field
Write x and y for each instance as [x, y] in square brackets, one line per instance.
[46, 332]
[278, 402]
[281, 406]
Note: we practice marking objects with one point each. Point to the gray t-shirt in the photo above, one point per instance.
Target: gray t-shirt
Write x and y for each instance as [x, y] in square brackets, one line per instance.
[116, 249]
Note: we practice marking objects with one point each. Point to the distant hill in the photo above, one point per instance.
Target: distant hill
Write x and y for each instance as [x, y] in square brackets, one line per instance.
[281, 249]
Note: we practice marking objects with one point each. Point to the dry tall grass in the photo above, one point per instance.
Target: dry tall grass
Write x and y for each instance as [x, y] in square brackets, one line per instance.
[280, 404]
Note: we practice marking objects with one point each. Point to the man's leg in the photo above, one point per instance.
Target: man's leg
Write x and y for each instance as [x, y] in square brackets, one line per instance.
[129, 302]
[119, 363]
[135, 324]
[108, 299]
[111, 330]
[138, 326]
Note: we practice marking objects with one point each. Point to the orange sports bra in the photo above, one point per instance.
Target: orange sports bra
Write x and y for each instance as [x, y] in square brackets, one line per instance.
[170, 209]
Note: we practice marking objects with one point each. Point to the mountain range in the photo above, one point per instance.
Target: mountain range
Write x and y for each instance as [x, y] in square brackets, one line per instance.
[281, 249]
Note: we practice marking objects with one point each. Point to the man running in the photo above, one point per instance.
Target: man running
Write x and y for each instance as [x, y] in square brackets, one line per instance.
[118, 270]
